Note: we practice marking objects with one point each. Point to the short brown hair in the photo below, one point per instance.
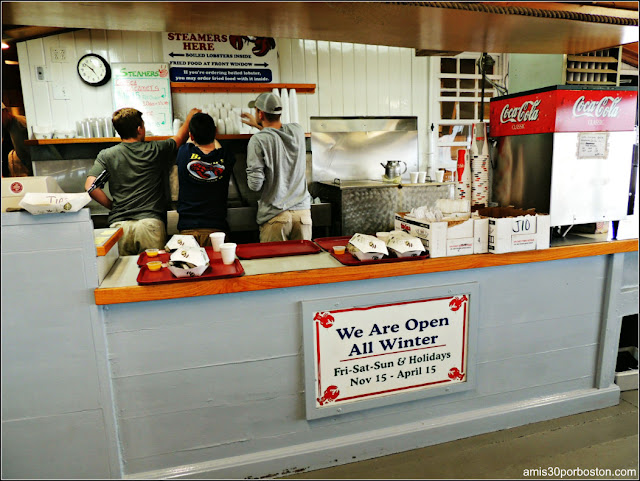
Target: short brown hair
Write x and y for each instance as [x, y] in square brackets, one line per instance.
[126, 122]
[271, 117]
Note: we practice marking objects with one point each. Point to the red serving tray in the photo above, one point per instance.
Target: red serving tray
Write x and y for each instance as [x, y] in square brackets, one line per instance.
[216, 270]
[143, 258]
[261, 250]
[349, 259]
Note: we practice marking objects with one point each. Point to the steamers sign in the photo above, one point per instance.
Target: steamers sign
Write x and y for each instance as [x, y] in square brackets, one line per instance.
[220, 57]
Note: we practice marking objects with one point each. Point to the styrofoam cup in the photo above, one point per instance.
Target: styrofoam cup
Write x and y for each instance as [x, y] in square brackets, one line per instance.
[414, 177]
[422, 177]
[228, 251]
[439, 175]
[217, 238]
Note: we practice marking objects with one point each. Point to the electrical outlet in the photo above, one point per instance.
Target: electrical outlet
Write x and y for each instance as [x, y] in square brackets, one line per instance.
[58, 54]
[41, 72]
[60, 91]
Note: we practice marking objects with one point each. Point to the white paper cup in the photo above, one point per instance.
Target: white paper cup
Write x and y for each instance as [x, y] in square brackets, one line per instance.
[439, 175]
[422, 177]
[228, 251]
[217, 238]
[414, 177]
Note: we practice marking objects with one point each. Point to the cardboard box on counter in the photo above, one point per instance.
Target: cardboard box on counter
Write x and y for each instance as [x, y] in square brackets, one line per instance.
[515, 230]
[447, 238]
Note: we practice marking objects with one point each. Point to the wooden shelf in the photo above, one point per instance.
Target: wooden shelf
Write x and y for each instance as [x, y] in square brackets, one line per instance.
[585, 58]
[115, 140]
[585, 82]
[204, 87]
[590, 70]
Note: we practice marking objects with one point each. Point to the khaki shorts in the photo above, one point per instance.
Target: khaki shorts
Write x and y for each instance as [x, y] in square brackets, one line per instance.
[140, 235]
[288, 225]
[16, 167]
[201, 235]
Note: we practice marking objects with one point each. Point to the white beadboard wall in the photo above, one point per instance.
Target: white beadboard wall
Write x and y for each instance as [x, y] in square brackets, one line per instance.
[351, 79]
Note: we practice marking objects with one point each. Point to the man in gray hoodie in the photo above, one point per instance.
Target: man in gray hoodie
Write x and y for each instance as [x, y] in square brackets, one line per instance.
[276, 163]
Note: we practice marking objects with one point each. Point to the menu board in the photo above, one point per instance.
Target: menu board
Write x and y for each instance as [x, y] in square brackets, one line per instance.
[146, 87]
[219, 57]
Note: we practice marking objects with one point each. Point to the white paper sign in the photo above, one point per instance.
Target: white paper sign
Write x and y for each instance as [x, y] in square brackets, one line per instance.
[146, 87]
[593, 145]
[216, 57]
[370, 352]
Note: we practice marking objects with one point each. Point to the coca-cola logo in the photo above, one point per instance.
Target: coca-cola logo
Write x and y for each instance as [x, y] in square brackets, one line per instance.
[16, 187]
[605, 107]
[527, 112]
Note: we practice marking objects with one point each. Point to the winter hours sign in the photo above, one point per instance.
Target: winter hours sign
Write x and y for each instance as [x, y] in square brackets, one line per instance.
[370, 352]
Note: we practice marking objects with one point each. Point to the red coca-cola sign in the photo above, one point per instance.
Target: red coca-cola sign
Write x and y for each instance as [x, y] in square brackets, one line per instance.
[563, 110]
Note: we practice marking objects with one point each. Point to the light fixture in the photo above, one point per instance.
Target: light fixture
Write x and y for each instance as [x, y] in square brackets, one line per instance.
[11, 62]
[5, 46]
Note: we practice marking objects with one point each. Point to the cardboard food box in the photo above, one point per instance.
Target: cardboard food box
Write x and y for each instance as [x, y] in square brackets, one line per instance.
[402, 244]
[515, 230]
[53, 203]
[195, 262]
[178, 241]
[447, 237]
[367, 247]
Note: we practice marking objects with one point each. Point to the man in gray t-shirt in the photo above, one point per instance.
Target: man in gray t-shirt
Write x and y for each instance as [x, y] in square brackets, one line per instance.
[137, 171]
[276, 164]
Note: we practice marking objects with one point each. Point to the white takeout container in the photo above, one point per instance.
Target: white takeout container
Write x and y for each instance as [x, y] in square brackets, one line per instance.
[178, 241]
[64, 134]
[53, 203]
[367, 247]
[405, 245]
[197, 256]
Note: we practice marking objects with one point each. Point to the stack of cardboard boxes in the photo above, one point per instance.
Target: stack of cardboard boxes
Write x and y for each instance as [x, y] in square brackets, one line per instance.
[495, 230]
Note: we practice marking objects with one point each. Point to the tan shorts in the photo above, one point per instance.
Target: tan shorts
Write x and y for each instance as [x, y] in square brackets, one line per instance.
[140, 235]
[288, 225]
[16, 167]
[201, 235]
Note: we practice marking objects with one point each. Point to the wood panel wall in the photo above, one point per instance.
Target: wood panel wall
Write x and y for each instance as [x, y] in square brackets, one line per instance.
[351, 79]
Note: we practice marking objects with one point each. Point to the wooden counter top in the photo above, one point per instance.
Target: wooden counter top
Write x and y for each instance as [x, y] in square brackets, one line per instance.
[340, 273]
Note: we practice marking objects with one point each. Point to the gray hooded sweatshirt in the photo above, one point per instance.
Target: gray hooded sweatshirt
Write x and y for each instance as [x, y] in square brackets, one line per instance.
[276, 163]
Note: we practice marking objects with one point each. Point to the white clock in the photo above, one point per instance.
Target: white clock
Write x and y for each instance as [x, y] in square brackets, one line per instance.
[94, 70]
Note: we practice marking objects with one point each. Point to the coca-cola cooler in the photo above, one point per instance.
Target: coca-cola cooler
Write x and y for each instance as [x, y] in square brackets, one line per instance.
[566, 151]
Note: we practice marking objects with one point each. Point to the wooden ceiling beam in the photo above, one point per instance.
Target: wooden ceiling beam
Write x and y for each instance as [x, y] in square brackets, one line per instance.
[408, 25]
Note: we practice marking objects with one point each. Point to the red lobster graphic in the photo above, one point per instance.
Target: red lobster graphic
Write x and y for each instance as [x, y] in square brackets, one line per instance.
[200, 169]
[456, 302]
[330, 394]
[454, 373]
[324, 318]
[262, 44]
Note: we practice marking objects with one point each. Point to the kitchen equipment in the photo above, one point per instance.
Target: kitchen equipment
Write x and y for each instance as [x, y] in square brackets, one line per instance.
[351, 148]
[392, 168]
[369, 206]
[566, 151]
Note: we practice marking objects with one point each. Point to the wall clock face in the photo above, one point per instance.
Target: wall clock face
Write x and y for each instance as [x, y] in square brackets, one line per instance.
[94, 70]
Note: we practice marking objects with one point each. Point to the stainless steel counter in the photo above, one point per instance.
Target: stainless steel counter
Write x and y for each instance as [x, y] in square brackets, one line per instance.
[368, 206]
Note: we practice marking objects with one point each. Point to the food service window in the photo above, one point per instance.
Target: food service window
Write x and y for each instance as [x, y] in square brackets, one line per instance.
[458, 102]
